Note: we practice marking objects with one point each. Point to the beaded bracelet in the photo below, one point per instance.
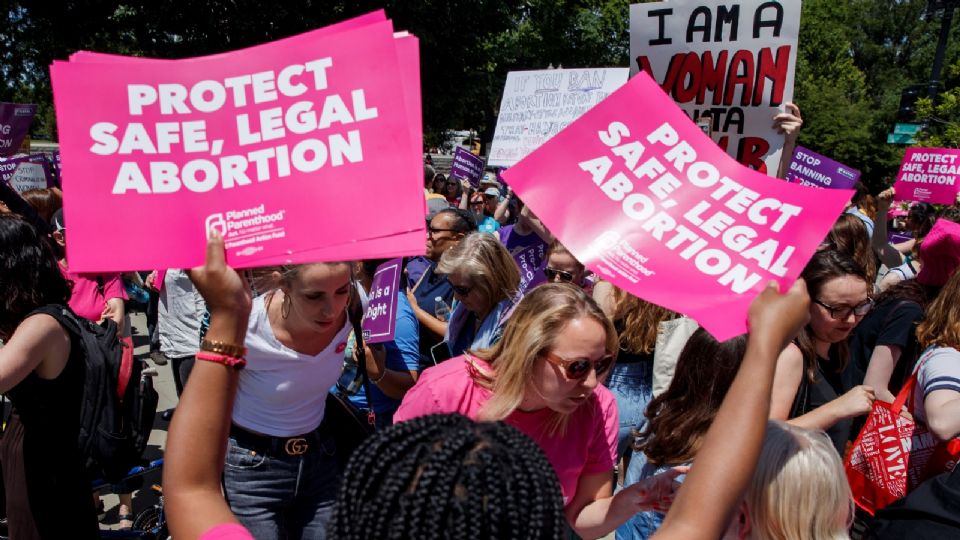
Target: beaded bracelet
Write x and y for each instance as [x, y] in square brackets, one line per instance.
[231, 361]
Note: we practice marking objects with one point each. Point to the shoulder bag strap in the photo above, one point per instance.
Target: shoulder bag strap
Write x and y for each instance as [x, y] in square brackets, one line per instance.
[355, 314]
[801, 400]
[906, 393]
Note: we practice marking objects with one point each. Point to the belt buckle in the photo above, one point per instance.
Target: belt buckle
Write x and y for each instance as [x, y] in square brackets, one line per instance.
[296, 447]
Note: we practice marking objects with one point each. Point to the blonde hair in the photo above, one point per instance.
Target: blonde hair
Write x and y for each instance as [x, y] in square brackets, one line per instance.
[799, 490]
[482, 259]
[556, 248]
[941, 326]
[530, 332]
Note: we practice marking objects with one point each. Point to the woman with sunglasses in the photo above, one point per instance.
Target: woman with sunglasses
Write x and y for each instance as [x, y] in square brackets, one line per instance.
[808, 388]
[544, 378]
[484, 279]
[562, 266]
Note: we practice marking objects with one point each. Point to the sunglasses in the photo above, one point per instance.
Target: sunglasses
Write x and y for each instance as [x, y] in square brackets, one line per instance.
[580, 367]
[552, 274]
[433, 230]
[843, 313]
[462, 291]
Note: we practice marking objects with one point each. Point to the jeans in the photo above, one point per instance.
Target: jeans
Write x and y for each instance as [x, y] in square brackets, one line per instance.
[643, 524]
[283, 497]
[632, 386]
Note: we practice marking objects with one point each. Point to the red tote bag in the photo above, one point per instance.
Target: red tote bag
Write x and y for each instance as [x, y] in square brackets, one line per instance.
[894, 453]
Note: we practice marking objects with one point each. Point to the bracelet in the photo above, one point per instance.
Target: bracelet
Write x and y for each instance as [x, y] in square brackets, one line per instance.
[229, 361]
[224, 348]
[382, 375]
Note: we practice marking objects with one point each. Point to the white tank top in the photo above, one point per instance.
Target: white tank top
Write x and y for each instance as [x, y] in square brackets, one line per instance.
[282, 393]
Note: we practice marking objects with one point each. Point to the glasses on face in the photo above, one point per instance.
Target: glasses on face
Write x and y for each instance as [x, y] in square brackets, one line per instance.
[842, 313]
[579, 368]
[433, 230]
[552, 274]
[462, 291]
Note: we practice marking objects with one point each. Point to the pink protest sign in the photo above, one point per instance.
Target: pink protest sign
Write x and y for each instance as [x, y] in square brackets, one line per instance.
[647, 201]
[271, 147]
[929, 175]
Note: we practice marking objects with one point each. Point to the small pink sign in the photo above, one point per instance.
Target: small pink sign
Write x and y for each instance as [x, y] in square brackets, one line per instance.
[268, 145]
[930, 175]
[650, 203]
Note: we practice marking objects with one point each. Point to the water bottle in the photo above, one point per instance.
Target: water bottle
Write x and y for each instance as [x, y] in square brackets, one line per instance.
[442, 310]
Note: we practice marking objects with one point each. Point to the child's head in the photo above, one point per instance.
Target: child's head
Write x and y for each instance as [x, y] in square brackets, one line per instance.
[799, 490]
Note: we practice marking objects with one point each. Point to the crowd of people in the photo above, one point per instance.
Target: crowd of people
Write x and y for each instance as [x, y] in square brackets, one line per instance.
[507, 405]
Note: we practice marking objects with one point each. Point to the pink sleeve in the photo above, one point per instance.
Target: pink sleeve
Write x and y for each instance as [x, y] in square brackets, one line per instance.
[227, 531]
[113, 287]
[602, 455]
[419, 400]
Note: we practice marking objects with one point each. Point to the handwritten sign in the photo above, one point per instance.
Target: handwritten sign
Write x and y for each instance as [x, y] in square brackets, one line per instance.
[466, 166]
[735, 62]
[809, 168]
[255, 143]
[536, 105]
[24, 173]
[672, 218]
[379, 321]
[15, 120]
[929, 175]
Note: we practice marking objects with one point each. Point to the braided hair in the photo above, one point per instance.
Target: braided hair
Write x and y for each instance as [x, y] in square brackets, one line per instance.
[445, 476]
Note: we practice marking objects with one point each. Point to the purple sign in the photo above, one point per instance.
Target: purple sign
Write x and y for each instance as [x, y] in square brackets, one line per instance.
[897, 237]
[379, 321]
[15, 120]
[23, 174]
[466, 166]
[531, 261]
[809, 168]
[928, 175]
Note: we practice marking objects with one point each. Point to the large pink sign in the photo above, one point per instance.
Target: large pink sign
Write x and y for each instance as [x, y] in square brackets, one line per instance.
[647, 201]
[288, 148]
[929, 175]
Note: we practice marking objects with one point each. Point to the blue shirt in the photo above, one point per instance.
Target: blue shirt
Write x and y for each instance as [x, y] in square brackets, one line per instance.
[862, 217]
[403, 354]
[488, 225]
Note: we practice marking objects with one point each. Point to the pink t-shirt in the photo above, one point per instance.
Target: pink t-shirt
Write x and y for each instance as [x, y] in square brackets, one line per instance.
[587, 446]
[86, 301]
[227, 531]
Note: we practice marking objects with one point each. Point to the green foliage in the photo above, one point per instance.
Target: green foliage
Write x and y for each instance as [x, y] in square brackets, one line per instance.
[854, 58]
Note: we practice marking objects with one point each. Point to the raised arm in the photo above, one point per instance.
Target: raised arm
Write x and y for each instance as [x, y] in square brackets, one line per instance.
[731, 448]
[788, 124]
[197, 438]
[887, 254]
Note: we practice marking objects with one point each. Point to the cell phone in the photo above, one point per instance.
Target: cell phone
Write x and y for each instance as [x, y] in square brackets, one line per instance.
[440, 352]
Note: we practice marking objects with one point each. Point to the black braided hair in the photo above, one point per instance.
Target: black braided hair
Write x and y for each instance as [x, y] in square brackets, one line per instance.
[445, 476]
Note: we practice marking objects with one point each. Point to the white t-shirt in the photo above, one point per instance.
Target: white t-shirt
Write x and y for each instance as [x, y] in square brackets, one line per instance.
[940, 371]
[179, 314]
[282, 393]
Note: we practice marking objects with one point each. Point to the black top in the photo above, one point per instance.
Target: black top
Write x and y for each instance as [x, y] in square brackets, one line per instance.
[826, 387]
[893, 322]
[60, 494]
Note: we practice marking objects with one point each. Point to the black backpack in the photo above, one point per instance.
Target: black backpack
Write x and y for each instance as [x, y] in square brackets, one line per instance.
[118, 405]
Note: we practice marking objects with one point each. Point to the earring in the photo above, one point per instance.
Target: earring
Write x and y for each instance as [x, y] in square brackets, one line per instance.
[285, 307]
